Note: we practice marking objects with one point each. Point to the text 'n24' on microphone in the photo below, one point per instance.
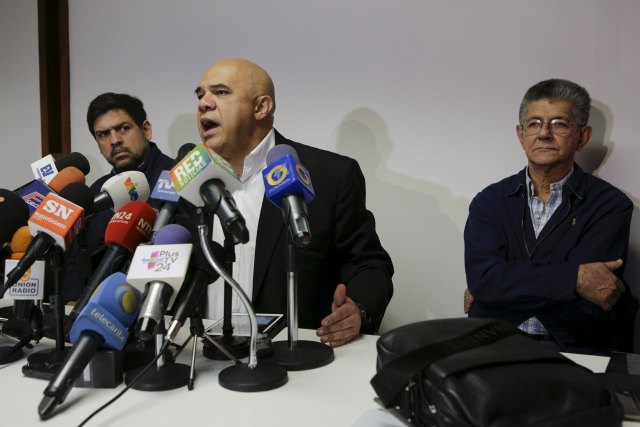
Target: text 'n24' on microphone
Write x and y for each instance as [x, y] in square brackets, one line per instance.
[121, 189]
[204, 178]
[14, 213]
[127, 228]
[159, 270]
[287, 184]
[102, 323]
[56, 222]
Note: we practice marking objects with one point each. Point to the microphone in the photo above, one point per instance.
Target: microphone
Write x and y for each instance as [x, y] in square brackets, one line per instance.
[20, 242]
[288, 186]
[164, 191]
[102, 323]
[34, 192]
[120, 189]
[56, 222]
[202, 177]
[159, 269]
[74, 159]
[47, 168]
[14, 213]
[193, 289]
[127, 228]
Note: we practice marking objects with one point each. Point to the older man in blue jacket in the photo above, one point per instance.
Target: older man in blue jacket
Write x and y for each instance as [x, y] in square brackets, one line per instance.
[545, 248]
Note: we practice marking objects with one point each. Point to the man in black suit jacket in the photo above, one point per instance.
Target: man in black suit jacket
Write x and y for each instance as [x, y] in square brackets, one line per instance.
[344, 275]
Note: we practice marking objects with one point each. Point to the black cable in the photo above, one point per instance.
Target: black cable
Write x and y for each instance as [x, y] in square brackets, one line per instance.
[144, 371]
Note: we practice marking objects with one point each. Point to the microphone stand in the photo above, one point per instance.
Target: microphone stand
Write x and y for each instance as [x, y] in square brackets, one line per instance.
[166, 375]
[10, 354]
[295, 355]
[251, 376]
[44, 364]
[236, 345]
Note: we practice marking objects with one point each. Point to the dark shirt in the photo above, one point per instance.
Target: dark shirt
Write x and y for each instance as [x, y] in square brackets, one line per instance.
[513, 275]
[93, 232]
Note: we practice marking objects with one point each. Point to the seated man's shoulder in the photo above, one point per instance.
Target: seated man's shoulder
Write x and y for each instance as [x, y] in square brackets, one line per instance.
[97, 184]
[316, 154]
[598, 187]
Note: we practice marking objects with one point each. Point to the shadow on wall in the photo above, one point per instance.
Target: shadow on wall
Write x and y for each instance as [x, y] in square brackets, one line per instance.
[183, 130]
[425, 245]
[596, 151]
[590, 159]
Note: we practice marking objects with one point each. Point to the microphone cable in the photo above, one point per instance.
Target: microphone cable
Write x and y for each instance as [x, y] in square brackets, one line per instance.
[164, 348]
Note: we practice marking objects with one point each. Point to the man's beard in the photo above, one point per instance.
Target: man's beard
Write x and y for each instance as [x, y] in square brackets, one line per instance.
[129, 164]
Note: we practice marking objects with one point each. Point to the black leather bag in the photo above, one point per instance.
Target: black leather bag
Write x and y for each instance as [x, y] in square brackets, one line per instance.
[483, 372]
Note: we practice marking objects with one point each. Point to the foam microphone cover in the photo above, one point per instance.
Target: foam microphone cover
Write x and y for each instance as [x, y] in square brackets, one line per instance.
[79, 194]
[21, 239]
[14, 213]
[66, 177]
[279, 151]
[172, 234]
[130, 226]
[74, 159]
[183, 151]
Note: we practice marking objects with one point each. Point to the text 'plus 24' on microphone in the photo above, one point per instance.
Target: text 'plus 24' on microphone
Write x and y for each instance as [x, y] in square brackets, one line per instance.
[56, 222]
[204, 178]
[128, 227]
[159, 271]
[287, 185]
[102, 323]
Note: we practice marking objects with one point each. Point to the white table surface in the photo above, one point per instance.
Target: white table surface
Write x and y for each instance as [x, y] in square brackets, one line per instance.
[338, 394]
[334, 395]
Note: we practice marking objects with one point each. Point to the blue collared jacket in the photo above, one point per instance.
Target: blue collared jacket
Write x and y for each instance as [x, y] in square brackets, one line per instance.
[513, 275]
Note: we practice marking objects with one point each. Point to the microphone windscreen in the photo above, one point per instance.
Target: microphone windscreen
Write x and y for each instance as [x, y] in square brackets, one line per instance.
[21, 239]
[14, 213]
[130, 225]
[112, 308]
[183, 151]
[172, 234]
[79, 194]
[279, 151]
[73, 159]
[66, 177]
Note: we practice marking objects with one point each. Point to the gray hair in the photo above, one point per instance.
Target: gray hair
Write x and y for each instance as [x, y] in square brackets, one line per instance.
[559, 90]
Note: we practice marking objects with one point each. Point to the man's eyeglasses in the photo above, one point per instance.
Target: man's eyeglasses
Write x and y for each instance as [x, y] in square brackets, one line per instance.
[559, 127]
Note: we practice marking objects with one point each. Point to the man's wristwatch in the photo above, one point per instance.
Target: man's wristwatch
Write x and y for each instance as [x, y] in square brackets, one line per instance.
[365, 318]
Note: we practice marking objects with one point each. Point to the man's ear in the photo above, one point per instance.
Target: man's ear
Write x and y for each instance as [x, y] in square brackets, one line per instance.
[520, 135]
[146, 128]
[585, 136]
[263, 107]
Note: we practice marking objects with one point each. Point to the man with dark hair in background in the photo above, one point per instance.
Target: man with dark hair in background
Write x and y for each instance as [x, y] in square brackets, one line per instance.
[119, 124]
[545, 248]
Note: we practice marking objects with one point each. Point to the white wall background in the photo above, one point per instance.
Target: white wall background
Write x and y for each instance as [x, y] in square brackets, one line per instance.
[19, 91]
[423, 93]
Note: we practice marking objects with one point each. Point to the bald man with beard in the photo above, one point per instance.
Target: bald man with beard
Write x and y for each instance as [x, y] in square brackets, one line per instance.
[345, 274]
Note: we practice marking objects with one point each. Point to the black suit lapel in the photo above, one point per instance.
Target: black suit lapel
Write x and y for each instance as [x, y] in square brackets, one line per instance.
[270, 226]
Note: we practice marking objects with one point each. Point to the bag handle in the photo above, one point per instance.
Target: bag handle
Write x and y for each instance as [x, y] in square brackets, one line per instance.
[395, 375]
